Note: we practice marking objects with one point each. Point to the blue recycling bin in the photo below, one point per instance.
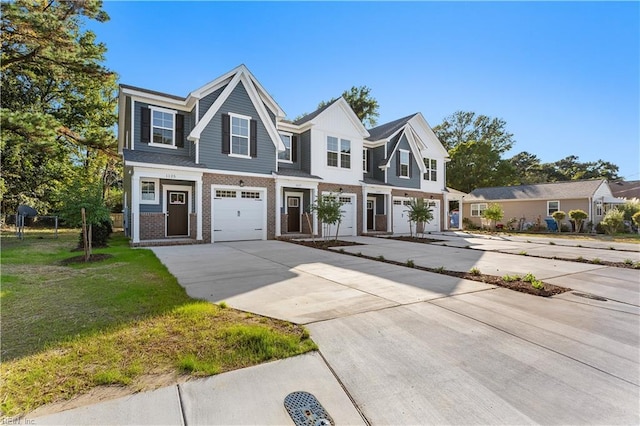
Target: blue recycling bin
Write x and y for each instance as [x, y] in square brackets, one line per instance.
[551, 225]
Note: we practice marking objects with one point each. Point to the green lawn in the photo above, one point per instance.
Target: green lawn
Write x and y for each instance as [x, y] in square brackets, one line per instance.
[67, 329]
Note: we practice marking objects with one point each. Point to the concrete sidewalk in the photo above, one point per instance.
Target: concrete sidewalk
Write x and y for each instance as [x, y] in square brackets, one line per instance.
[253, 395]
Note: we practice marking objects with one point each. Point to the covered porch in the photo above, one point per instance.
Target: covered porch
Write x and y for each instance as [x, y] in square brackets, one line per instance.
[294, 197]
[377, 206]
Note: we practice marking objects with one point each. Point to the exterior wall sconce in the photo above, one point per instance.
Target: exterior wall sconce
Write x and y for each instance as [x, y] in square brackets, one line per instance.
[406, 194]
[241, 183]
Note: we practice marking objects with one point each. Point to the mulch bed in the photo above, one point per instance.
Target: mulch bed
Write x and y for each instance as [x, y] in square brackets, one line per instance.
[80, 259]
[521, 286]
[324, 244]
[416, 239]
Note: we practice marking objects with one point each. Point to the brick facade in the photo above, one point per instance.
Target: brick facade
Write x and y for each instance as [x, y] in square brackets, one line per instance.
[425, 195]
[346, 189]
[152, 226]
[193, 226]
[209, 179]
[380, 222]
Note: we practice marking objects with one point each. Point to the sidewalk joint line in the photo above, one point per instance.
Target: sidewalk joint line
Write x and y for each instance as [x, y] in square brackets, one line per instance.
[184, 416]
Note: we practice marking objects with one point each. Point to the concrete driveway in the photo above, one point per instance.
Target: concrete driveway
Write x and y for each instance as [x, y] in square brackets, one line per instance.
[411, 347]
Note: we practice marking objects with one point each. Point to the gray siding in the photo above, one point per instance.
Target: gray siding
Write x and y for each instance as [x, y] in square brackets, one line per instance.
[206, 102]
[126, 186]
[158, 208]
[211, 139]
[296, 161]
[377, 156]
[304, 151]
[187, 151]
[414, 179]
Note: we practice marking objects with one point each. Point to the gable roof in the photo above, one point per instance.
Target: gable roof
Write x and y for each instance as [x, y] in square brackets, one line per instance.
[338, 103]
[541, 191]
[239, 75]
[313, 114]
[625, 189]
[388, 129]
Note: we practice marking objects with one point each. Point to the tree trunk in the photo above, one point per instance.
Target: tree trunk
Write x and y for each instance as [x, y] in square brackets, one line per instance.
[338, 229]
[85, 240]
[313, 238]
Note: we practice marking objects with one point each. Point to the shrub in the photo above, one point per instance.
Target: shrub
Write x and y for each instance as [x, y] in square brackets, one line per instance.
[440, 269]
[509, 278]
[419, 212]
[529, 277]
[100, 233]
[522, 253]
[596, 261]
[636, 218]
[630, 209]
[628, 262]
[494, 213]
[410, 263]
[558, 216]
[537, 284]
[578, 216]
[468, 224]
[474, 271]
[613, 221]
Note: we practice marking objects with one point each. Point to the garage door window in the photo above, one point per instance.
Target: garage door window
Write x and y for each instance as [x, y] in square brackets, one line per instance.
[225, 194]
[250, 194]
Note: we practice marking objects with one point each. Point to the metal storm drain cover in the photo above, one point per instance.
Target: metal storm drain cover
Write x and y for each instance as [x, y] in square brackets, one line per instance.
[589, 296]
[305, 410]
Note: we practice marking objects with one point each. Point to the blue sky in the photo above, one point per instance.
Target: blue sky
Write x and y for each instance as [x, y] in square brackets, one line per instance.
[564, 76]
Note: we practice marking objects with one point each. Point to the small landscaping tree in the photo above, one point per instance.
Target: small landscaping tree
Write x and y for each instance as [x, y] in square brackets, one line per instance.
[558, 216]
[578, 216]
[493, 213]
[328, 209]
[84, 206]
[612, 221]
[419, 212]
[636, 219]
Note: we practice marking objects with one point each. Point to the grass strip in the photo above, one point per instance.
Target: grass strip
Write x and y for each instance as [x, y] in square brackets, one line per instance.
[120, 322]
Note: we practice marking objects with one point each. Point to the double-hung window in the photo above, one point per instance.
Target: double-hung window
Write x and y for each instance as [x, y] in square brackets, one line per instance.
[552, 207]
[286, 154]
[404, 163]
[478, 209]
[240, 135]
[149, 191]
[431, 167]
[162, 126]
[338, 152]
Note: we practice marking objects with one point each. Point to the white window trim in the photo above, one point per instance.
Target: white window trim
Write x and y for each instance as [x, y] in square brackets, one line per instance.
[156, 182]
[231, 135]
[478, 209]
[173, 127]
[552, 201]
[365, 160]
[339, 152]
[429, 170]
[290, 160]
[401, 176]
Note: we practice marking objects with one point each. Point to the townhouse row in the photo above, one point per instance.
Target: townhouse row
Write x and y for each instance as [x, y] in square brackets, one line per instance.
[223, 164]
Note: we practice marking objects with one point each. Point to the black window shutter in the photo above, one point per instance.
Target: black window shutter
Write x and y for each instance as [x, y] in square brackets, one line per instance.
[226, 134]
[180, 130]
[253, 138]
[145, 122]
[397, 163]
[294, 148]
[410, 165]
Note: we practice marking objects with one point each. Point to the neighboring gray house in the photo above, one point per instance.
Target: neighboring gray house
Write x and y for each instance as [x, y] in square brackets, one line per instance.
[222, 164]
[538, 202]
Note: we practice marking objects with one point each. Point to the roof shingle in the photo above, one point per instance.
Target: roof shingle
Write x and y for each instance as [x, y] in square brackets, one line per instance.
[554, 190]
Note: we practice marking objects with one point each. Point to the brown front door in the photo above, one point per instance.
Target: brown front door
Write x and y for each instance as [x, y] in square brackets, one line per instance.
[370, 216]
[293, 214]
[177, 213]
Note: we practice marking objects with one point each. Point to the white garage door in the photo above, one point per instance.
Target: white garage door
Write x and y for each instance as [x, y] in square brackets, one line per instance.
[238, 214]
[347, 226]
[401, 216]
[434, 225]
